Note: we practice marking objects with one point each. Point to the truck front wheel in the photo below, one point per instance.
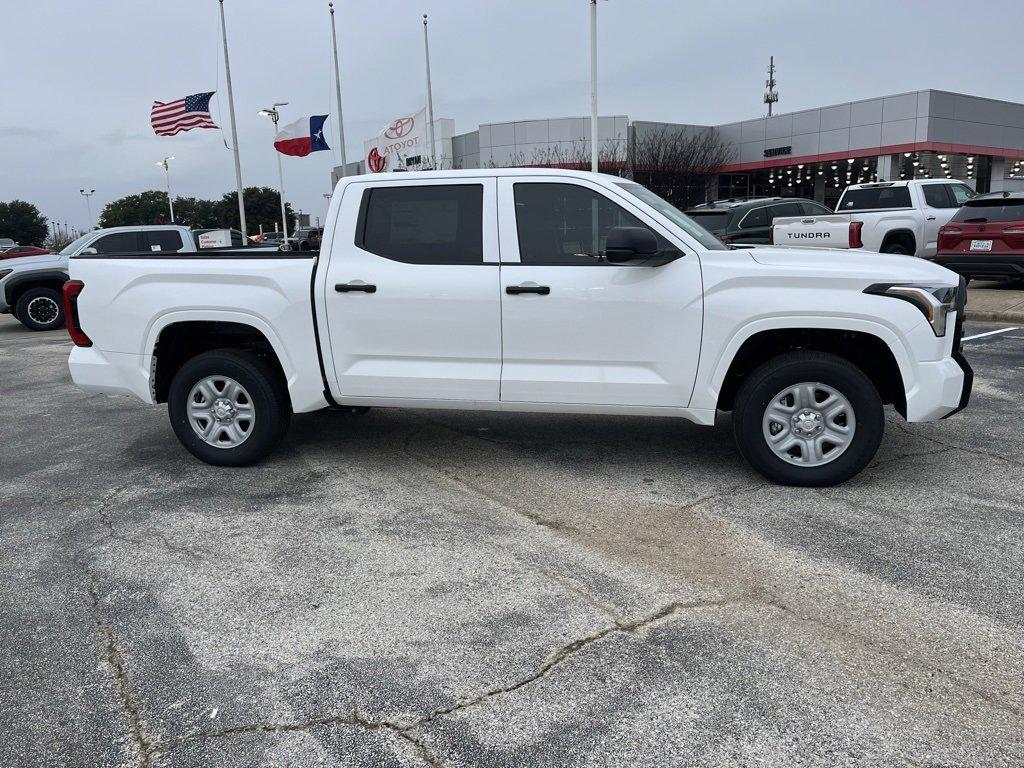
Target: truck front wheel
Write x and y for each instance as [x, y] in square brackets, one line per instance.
[40, 309]
[808, 419]
[228, 408]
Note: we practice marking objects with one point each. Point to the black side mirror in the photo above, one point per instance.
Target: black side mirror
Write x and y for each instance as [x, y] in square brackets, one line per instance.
[634, 246]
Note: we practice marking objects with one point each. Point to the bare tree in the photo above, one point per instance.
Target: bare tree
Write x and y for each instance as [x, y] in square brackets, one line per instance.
[572, 156]
[679, 163]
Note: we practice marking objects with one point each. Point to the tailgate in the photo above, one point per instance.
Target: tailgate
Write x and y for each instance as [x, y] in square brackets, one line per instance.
[831, 231]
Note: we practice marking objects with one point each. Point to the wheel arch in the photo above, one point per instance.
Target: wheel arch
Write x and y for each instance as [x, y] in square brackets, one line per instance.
[16, 285]
[900, 235]
[872, 348]
[175, 339]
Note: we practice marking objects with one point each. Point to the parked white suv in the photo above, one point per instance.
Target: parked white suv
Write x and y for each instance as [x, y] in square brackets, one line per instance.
[529, 290]
[900, 217]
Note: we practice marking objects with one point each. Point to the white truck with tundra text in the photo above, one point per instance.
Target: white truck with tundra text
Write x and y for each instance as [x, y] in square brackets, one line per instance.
[900, 217]
[531, 290]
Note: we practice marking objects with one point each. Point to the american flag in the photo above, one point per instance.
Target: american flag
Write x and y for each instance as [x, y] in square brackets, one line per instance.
[182, 115]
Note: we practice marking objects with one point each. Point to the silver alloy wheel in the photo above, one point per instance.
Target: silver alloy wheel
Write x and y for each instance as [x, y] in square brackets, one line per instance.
[221, 411]
[43, 310]
[809, 424]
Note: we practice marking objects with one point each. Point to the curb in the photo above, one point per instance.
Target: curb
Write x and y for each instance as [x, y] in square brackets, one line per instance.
[997, 317]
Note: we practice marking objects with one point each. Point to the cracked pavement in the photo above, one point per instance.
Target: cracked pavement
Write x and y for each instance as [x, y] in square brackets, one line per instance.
[470, 589]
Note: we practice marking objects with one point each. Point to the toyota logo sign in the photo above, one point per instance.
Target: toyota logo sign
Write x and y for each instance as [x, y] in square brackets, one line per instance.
[399, 128]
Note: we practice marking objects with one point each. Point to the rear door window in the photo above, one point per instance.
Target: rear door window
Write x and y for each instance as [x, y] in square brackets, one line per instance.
[937, 196]
[785, 209]
[421, 224]
[874, 198]
[118, 242]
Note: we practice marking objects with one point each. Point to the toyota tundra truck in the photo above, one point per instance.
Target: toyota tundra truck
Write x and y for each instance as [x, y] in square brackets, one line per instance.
[525, 290]
[901, 217]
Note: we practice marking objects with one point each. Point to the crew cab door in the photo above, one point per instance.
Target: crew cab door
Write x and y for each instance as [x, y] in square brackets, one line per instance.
[411, 291]
[582, 331]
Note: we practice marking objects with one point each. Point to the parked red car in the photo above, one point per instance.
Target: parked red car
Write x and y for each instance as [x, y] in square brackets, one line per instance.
[985, 238]
[22, 250]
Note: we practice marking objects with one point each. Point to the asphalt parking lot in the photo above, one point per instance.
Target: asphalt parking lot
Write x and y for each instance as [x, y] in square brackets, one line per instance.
[463, 589]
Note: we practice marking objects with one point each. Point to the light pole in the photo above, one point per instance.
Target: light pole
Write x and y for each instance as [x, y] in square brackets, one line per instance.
[167, 169]
[274, 115]
[88, 207]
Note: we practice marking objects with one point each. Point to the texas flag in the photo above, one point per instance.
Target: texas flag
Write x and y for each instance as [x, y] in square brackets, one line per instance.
[302, 137]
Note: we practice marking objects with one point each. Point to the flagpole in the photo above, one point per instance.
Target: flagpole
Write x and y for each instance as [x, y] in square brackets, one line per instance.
[337, 85]
[430, 98]
[234, 130]
[593, 85]
[273, 113]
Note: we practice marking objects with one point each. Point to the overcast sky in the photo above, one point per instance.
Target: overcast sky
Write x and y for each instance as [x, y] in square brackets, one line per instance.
[80, 75]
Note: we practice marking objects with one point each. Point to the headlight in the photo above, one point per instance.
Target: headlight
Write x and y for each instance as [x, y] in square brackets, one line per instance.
[4, 273]
[934, 301]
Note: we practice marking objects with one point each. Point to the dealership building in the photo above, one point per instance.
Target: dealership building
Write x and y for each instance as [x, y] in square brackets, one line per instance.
[813, 153]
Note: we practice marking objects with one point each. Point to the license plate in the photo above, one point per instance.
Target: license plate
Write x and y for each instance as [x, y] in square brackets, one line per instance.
[981, 245]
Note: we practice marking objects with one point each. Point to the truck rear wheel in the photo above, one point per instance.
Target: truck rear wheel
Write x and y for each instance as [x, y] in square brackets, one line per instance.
[40, 309]
[228, 408]
[808, 419]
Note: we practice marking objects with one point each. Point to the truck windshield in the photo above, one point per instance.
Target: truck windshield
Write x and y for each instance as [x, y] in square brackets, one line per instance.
[873, 198]
[677, 217]
[73, 246]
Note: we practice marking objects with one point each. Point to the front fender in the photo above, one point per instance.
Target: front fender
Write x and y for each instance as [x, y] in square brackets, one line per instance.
[713, 371]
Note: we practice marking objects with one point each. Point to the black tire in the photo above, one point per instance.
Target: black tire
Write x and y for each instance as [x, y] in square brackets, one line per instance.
[896, 248]
[40, 309]
[790, 369]
[266, 390]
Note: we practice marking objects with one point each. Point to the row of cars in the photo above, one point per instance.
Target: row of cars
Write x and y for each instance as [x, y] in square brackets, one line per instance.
[945, 221]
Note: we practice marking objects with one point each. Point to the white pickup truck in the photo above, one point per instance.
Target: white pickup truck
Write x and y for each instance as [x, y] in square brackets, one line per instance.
[531, 290]
[901, 217]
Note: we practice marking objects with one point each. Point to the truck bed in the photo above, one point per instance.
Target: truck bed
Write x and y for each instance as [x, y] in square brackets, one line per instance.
[129, 298]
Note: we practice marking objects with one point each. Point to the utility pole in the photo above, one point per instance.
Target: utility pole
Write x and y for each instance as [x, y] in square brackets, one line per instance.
[234, 130]
[771, 96]
[337, 85]
[167, 169]
[88, 207]
[430, 97]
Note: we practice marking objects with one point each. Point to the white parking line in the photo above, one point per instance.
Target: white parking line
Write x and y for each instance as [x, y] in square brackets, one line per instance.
[990, 333]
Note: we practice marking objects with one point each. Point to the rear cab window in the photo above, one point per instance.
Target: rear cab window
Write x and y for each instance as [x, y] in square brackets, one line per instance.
[874, 198]
[715, 222]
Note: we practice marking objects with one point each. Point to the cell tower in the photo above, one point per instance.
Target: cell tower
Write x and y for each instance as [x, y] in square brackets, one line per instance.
[771, 96]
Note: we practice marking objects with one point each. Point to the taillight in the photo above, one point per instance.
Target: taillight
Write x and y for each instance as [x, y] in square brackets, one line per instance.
[950, 231]
[1014, 231]
[855, 228]
[71, 290]
[771, 235]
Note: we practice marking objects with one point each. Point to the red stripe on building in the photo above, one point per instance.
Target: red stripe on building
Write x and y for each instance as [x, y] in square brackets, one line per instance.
[891, 149]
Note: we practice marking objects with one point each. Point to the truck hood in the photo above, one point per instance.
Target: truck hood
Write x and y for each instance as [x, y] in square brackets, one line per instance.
[879, 267]
[20, 263]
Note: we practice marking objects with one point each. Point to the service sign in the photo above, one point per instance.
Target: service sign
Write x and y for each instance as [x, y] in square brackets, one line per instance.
[401, 139]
